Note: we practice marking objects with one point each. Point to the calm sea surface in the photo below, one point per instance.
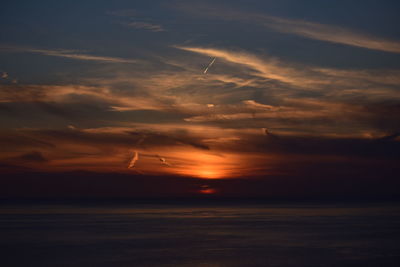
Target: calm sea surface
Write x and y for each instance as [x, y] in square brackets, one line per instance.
[200, 235]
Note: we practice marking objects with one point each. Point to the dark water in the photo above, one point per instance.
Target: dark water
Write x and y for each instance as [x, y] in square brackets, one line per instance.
[208, 235]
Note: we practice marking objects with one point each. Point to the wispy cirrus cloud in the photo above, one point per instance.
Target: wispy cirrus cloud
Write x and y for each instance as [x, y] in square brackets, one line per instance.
[145, 26]
[299, 76]
[255, 104]
[246, 91]
[133, 19]
[268, 68]
[72, 54]
[71, 92]
[303, 28]
[329, 33]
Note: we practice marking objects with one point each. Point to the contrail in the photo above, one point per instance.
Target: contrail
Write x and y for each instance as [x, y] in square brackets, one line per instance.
[133, 161]
[209, 65]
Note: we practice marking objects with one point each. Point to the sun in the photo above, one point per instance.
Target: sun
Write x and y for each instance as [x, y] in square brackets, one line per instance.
[207, 190]
[204, 164]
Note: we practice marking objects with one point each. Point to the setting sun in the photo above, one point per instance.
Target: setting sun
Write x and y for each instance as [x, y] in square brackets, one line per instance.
[204, 164]
[207, 190]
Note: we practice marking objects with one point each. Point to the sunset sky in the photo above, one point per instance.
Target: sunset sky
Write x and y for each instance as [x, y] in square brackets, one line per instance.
[302, 99]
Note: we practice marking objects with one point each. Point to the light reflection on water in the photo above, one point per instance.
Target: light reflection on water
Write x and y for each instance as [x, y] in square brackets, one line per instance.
[184, 235]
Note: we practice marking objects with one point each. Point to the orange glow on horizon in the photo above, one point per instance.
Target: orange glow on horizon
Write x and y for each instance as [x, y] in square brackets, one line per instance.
[207, 166]
[208, 173]
[201, 164]
[182, 161]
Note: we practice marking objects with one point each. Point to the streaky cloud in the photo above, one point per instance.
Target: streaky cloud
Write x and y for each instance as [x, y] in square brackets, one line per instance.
[72, 54]
[329, 33]
[253, 103]
[303, 28]
[34, 156]
[299, 76]
[391, 137]
[271, 69]
[146, 26]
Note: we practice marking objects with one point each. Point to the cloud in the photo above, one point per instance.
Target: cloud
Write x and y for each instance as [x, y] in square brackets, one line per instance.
[125, 137]
[269, 69]
[303, 28]
[33, 156]
[134, 159]
[10, 161]
[254, 91]
[257, 105]
[312, 145]
[72, 54]
[135, 20]
[294, 78]
[391, 137]
[336, 101]
[146, 26]
[72, 93]
[99, 149]
[288, 113]
[15, 140]
[329, 33]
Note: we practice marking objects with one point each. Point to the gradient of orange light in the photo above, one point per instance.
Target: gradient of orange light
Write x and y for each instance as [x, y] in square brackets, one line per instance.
[184, 161]
[204, 164]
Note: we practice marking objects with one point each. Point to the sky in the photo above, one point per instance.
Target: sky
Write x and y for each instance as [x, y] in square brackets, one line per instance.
[177, 98]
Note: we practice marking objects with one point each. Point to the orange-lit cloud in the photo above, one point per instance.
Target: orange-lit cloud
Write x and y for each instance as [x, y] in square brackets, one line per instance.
[204, 126]
[269, 69]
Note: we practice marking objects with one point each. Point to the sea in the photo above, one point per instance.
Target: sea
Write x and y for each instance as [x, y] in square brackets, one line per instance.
[200, 234]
